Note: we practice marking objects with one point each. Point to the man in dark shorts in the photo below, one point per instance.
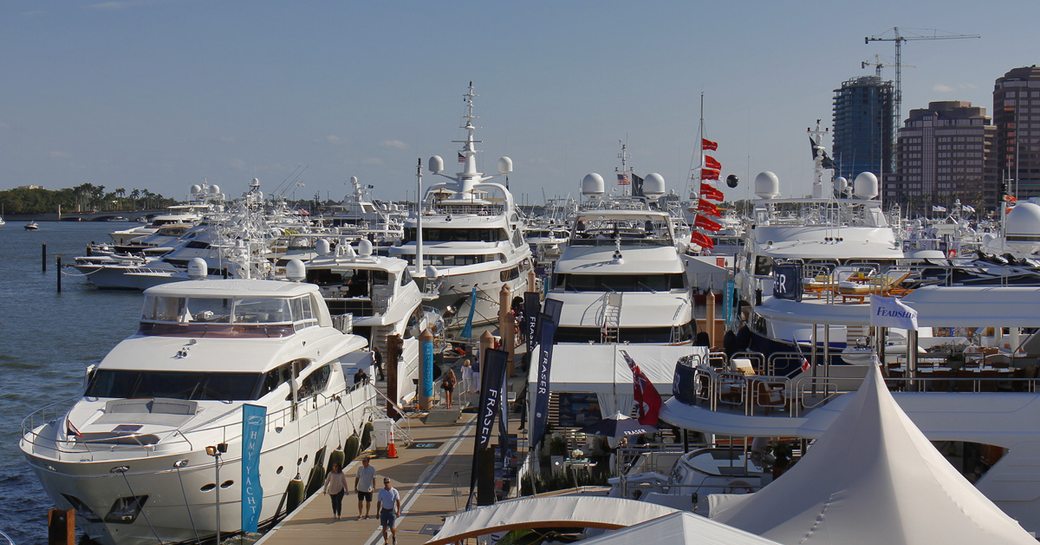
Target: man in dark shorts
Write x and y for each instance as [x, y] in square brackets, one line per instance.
[365, 484]
[389, 509]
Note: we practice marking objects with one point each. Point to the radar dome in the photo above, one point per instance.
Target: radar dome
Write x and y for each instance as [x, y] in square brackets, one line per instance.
[353, 180]
[196, 189]
[197, 268]
[295, 270]
[505, 165]
[322, 247]
[653, 185]
[214, 189]
[592, 184]
[365, 248]
[841, 184]
[345, 249]
[767, 185]
[1024, 220]
[436, 164]
[865, 186]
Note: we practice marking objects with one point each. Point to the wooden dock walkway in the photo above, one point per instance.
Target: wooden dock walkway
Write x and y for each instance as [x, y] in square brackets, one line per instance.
[432, 476]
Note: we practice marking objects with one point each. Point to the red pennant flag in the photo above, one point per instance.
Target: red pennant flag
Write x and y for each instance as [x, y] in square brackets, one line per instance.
[708, 208]
[710, 162]
[702, 240]
[709, 191]
[1010, 199]
[709, 174]
[709, 145]
[707, 224]
[648, 401]
[805, 365]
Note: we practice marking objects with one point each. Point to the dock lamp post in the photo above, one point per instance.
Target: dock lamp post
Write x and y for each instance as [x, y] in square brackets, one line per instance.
[216, 451]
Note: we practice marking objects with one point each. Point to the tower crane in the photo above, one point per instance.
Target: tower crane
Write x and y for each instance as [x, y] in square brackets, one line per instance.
[876, 64]
[897, 100]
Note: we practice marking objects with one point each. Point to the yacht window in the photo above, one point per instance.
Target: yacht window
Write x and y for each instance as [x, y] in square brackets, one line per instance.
[201, 386]
[262, 310]
[509, 274]
[197, 244]
[436, 234]
[314, 383]
[406, 277]
[324, 277]
[620, 282]
[763, 265]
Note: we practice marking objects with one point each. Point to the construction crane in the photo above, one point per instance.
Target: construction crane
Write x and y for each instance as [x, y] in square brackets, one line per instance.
[876, 64]
[897, 101]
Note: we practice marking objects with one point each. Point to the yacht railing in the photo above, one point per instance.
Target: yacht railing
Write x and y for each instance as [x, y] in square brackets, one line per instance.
[85, 448]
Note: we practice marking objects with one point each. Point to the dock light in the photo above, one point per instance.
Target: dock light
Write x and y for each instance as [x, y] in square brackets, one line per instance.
[211, 451]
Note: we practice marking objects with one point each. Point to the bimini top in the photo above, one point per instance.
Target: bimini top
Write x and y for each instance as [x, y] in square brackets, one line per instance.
[232, 288]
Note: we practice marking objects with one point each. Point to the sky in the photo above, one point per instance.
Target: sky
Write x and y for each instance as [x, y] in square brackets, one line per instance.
[161, 94]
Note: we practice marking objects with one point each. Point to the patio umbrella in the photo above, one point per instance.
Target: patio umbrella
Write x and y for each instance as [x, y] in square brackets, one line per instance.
[618, 426]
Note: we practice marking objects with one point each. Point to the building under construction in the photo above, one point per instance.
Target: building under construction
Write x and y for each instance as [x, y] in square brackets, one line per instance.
[863, 127]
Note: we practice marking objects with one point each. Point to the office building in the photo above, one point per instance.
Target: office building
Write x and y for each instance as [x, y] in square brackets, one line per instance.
[863, 127]
[1016, 114]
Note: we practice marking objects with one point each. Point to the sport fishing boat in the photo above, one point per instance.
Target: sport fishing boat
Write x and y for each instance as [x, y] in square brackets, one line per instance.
[467, 239]
[157, 436]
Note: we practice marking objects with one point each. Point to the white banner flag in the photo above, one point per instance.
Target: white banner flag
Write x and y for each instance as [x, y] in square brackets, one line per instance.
[891, 312]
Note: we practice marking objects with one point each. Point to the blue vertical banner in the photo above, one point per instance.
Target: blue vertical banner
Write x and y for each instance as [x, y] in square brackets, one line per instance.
[254, 420]
[492, 378]
[728, 316]
[426, 388]
[541, 402]
[467, 330]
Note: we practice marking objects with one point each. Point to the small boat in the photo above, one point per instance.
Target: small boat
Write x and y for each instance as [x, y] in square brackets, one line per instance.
[32, 226]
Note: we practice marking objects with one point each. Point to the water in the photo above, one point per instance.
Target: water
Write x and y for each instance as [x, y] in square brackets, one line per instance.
[46, 341]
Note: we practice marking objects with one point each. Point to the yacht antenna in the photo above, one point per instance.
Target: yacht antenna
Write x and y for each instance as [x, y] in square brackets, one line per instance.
[468, 154]
[418, 218]
[816, 135]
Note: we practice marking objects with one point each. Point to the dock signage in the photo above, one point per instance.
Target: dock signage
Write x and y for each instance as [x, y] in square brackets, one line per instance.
[254, 420]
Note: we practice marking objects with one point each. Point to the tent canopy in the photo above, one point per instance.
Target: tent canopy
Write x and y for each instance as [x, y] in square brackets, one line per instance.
[680, 528]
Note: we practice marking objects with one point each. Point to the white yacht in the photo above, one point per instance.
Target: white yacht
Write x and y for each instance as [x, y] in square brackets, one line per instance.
[361, 216]
[382, 299]
[131, 454]
[467, 235]
[621, 277]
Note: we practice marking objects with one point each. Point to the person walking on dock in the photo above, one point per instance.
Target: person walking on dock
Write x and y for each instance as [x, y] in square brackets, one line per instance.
[336, 487]
[389, 509]
[365, 484]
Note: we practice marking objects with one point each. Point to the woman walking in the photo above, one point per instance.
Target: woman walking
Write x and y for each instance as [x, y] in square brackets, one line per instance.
[448, 385]
[336, 487]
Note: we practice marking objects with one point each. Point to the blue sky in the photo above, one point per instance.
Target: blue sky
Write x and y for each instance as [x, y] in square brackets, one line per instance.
[160, 94]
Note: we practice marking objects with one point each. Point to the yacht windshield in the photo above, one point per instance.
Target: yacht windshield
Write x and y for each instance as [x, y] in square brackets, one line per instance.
[264, 316]
[200, 386]
[619, 282]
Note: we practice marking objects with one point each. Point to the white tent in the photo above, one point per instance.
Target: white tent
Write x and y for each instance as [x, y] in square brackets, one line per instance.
[601, 369]
[548, 512]
[680, 528]
[872, 478]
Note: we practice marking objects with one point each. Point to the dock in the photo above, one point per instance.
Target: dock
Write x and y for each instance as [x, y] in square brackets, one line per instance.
[432, 475]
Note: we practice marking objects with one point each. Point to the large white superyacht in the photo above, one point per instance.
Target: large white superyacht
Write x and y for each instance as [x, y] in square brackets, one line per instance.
[467, 237]
[139, 454]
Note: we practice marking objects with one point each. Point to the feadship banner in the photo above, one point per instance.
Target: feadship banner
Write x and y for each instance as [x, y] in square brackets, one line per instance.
[541, 402]
[891, 312]
[254, 418]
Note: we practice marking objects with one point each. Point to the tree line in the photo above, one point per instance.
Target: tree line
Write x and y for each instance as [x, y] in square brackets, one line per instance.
[85, 197]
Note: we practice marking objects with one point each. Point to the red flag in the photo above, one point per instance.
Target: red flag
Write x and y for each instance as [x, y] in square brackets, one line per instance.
[707, 224]
[709, 174]
[707, 207]
[709, 191]
[1010, 199]
[648, 401]
[708, 144]
[805, 365]
[702, 240]
[710, 162]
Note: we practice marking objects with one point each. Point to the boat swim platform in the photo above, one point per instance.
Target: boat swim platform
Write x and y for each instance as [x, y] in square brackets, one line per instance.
[432, 475]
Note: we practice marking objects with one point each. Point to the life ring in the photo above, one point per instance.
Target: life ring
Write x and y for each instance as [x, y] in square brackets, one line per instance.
[952, 253]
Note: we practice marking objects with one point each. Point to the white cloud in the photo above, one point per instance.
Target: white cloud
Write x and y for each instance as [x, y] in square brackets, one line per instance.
[332, 139]
[372, 162]
[58, 154]
[942, 88]
[394, 143]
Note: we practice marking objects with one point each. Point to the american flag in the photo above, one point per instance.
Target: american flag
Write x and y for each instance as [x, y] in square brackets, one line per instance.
[462, 158]
[622, 179]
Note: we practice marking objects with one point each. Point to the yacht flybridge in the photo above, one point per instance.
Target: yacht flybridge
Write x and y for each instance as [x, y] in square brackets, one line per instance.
[131, 454]
[467, 237]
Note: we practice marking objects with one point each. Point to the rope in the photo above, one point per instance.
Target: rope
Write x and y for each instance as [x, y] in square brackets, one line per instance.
[143, 512]
[187, 508]
[65, 273]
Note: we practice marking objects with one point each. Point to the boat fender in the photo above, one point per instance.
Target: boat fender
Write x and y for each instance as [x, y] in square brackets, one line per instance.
[352, 447]
[316, 479]
[366, 436]
[294, 494]
[337, 457]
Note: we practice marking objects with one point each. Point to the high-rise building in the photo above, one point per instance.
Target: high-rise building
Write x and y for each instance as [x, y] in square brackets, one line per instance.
[945, 152]
[863, 127]
[1016, 113]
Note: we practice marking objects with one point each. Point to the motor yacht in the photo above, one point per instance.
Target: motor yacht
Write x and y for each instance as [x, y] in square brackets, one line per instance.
[130, 455]
[32, 226]
[466, 241]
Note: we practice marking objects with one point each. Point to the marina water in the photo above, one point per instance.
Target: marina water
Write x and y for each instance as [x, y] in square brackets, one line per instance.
[48, 339]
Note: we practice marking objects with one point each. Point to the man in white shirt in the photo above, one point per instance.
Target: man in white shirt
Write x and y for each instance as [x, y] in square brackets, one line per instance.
[389, 509]
[365, 484]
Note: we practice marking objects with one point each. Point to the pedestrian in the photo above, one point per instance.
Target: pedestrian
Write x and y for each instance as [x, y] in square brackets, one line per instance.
[360, 377]
[377, 361]
[448, 385]
[336, 487]
[365, 484]
[389, 509]
[467, 376]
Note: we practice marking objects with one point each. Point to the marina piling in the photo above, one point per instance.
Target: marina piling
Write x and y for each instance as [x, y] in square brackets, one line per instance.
[425, 387]
[43, 257]
[394, 345]
[57, 272]
[506, 325]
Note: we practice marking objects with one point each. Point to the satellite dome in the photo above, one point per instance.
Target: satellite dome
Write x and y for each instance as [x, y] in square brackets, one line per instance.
[865, 186]
[323, 247]
[345, 249]
[295, 270]
[197, 268]
[653, 185]
[592, 184]
[767, 185]
[196, 189]
[1024, 220]
[841, 184]
[505, 165]
[214, 189]
[365, 248]
[436, 164]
